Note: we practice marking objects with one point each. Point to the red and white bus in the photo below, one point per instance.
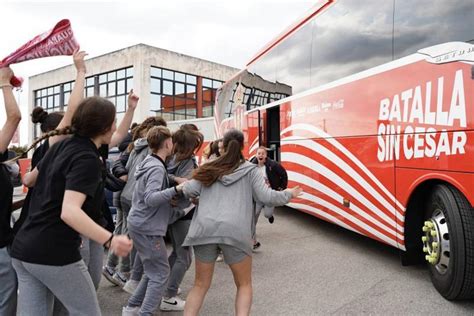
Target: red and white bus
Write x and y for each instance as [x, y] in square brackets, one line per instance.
[369, 105]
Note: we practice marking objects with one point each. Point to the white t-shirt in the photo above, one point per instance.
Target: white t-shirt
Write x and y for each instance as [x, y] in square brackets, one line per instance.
[263, 170]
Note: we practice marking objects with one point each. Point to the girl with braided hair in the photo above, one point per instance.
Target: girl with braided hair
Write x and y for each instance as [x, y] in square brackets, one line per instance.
[65, 204]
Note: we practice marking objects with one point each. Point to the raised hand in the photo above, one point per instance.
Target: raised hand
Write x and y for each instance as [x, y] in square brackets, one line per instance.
[132, 100]
[5, 75]
[79, 63]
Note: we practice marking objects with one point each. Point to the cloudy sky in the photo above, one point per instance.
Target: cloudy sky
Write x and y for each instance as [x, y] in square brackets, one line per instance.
[227, 32]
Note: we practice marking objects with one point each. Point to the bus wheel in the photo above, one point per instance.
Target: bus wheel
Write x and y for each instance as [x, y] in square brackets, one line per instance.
[448, 242]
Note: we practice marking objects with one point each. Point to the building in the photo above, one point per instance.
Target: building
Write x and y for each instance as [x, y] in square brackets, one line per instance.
[175, 86]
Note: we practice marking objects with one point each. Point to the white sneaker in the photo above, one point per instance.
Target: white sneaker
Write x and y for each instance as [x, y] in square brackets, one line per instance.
[220, 258]
[130, 311]
[130, 286]
[172, 304]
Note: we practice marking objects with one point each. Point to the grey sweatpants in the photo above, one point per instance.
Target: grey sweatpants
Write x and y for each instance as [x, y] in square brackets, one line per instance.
[8, 287]
[267, 212]
[121, 228]
[92, 254]
[71, 284]
[181, 258]
[153, 254]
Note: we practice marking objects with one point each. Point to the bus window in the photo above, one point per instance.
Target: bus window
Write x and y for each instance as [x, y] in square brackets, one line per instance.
[294, 59]
[351, 36]
[424, 23]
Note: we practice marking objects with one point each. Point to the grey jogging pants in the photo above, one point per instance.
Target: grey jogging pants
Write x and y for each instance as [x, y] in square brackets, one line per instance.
[38, 284]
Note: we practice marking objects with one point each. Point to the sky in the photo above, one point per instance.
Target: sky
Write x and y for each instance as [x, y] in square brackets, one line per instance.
[227, 32]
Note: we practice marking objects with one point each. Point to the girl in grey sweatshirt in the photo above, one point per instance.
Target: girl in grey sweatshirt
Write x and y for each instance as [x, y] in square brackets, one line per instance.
[224, 219]
[148, 222]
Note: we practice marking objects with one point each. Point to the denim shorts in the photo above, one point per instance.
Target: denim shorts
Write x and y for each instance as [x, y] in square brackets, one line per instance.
[208, 253]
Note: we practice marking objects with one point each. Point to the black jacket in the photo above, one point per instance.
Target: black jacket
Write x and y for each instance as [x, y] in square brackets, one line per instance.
[275, 172]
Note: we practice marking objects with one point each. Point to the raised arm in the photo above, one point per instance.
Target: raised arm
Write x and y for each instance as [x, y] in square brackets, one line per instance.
[124, 126]
[263, 193]
[11, 108]
[77, 94]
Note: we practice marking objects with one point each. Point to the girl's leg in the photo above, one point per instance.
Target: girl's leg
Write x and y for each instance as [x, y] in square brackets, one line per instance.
[8, 289]
[202, 282]
[183, 260]
[35, 298]
[242, 272]
[71, 284]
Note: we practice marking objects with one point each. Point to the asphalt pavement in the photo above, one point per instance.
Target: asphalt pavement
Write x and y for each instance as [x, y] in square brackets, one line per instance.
[309, 267]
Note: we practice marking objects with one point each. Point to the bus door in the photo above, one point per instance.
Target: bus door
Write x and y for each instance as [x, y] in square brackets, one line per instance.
[269, 135]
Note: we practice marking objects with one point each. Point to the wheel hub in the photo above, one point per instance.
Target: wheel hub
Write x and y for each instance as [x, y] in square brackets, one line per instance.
[436, 241]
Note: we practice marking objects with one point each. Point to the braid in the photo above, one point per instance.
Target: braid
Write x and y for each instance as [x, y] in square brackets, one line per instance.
[55, 132]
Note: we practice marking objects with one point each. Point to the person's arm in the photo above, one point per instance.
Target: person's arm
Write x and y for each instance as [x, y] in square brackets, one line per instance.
[267, 195]
[154, 195]
[190, 189]
[77, 95]
[11, 108]
[122, 130]
[73, 215]
[29, 179]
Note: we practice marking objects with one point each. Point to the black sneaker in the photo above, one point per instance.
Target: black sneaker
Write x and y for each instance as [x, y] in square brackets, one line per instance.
[256, 245]
[271, 219]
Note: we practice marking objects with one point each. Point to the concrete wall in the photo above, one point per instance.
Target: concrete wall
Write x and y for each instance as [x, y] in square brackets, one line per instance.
[141, 57]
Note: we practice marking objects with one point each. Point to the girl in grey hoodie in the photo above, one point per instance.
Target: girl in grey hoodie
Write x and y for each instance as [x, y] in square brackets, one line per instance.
[224, 219]
[148, 222]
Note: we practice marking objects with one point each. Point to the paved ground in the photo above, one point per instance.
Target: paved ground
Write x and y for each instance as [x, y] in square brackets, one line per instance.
[309, 267]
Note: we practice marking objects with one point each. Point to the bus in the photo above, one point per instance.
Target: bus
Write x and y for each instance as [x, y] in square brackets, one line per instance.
[369, 105]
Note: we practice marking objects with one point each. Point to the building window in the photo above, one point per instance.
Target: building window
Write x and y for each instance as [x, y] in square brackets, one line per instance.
[115, 85]
[173, 94]
[49, 98]
[209, 89]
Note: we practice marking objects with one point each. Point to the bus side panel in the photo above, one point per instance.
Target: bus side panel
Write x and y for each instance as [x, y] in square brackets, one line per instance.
[453, 151]
[345, 184]
[408, 180]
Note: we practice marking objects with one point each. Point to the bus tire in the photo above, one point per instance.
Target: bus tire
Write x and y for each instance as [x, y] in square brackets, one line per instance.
[454, 280]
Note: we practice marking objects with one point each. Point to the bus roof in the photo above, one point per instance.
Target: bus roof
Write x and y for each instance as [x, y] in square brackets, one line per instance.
[317, 8]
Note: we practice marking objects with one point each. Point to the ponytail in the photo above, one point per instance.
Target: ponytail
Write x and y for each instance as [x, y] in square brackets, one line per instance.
[232, 158]
[56, 132]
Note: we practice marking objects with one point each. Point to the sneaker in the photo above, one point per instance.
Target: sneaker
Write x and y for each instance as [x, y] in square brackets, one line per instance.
[220, 258]
[119, 279]
[271, 219]
[108, 272]
[130, 286]
[256, 245]
[172, 304]
[130, 311]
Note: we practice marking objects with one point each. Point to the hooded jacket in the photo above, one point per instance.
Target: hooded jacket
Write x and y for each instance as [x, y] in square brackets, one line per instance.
[225, 214]
[182, 169]
[276, 174]
[140, 151]
[151, 208]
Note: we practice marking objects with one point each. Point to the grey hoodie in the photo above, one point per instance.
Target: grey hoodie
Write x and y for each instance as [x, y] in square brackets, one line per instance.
[225, 212]
[151, 208]
[182, 169]
[140, 151]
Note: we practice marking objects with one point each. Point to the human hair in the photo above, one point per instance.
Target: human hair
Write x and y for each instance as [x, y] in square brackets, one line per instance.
[93, 117]
[156, 137]
[186, 141]
[232, 158]
[144, 127]
[262, 147]
[213, 149]
[48, 121]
